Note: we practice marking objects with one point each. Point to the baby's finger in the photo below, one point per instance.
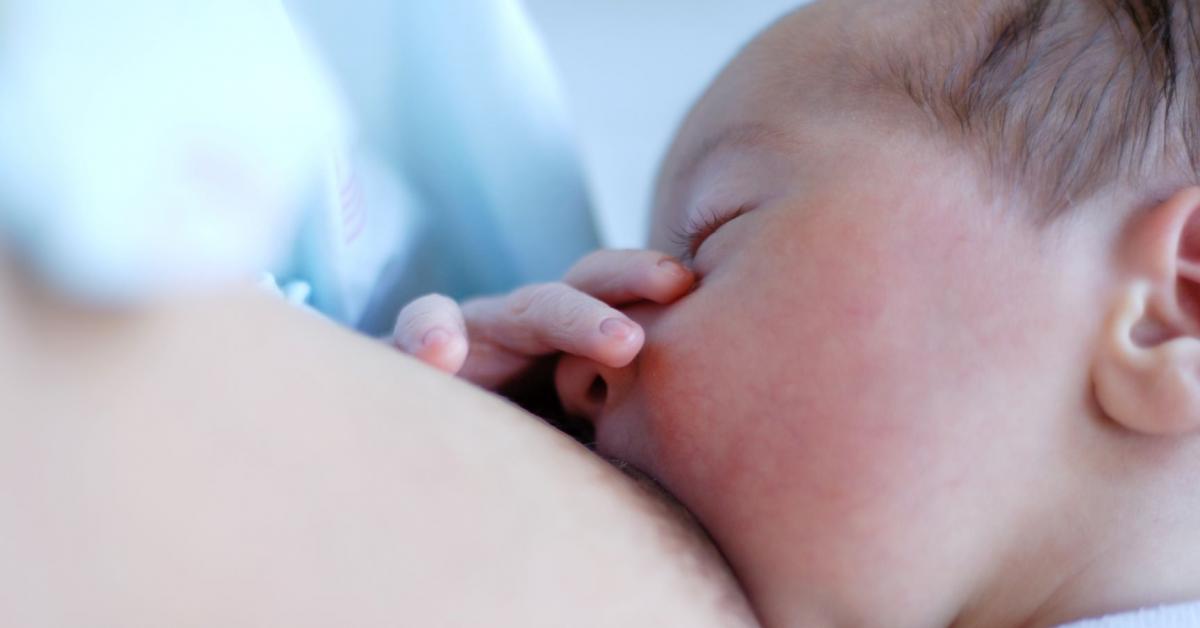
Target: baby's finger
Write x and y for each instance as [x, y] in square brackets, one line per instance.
[556, 318]
[432, 329]
[623, 277]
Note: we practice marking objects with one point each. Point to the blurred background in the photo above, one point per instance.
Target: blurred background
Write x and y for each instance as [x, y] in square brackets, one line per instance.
[354, 154]
[528, 131]
[630, 70]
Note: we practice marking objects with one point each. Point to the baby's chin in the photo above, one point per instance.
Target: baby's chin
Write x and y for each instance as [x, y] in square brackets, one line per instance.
[684, 534]
[583, 431]
[654, 488]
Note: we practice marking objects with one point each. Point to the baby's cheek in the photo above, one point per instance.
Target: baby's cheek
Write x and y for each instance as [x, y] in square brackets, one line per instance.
[687, 396]
[719, 414]
[759, 455]
[771, 392]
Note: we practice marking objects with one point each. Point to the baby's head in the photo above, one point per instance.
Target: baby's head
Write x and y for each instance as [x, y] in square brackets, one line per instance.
[944, 365]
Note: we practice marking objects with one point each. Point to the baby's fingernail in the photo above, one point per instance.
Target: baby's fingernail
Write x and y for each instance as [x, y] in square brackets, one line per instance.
[674, 268]
[618, 328]
[435, 338]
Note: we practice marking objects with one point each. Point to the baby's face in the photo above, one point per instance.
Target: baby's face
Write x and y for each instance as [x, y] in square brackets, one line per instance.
[856, 399]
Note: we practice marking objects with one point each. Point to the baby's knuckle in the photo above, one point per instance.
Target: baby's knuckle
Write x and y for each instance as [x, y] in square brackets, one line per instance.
[424, 312]
[412, 325]
[525, 299]
[551, 297]
[571, 316]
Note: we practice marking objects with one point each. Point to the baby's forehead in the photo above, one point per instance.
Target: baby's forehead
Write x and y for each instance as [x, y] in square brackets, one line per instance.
[1054, 100]
[799, 74]
[824, 58]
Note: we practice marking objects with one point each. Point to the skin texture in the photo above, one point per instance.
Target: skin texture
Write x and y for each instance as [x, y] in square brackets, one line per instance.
[889, 399]
[230, 460]
[878, 397]
[491, 341]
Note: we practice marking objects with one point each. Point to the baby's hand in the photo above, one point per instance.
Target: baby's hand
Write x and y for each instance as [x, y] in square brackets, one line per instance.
[492, 341]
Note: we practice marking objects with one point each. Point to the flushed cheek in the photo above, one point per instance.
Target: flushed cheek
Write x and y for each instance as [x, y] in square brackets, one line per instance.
[733, 409]
[779, 399]
[801, 475]
[695, 436]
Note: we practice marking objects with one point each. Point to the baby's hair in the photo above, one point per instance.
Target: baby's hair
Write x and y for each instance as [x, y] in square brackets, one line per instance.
[1062, 99]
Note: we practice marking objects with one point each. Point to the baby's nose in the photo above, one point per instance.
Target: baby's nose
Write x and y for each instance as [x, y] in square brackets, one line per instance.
[585, 387]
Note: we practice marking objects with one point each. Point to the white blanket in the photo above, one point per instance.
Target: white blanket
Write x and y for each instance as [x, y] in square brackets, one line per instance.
[1178, 616]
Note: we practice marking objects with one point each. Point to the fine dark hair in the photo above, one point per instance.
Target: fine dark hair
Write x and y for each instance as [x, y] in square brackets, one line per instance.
[1062, 99]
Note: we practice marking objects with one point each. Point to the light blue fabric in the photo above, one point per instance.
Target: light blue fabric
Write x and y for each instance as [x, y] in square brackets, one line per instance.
[359, 231]
[457, 102]
[156, 145]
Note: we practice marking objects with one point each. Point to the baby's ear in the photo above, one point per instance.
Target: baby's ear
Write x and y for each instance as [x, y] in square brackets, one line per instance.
[1147, 371]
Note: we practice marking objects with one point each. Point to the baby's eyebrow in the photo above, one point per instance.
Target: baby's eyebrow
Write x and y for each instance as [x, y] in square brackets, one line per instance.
[753, 135]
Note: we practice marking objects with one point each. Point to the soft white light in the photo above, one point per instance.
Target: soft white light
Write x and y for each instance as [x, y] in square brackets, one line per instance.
[149, 145]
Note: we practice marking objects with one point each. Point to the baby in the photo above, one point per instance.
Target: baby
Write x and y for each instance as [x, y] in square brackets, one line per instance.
[925, 349]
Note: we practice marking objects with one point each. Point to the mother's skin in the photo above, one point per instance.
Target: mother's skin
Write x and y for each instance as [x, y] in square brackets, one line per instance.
[233, 461]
